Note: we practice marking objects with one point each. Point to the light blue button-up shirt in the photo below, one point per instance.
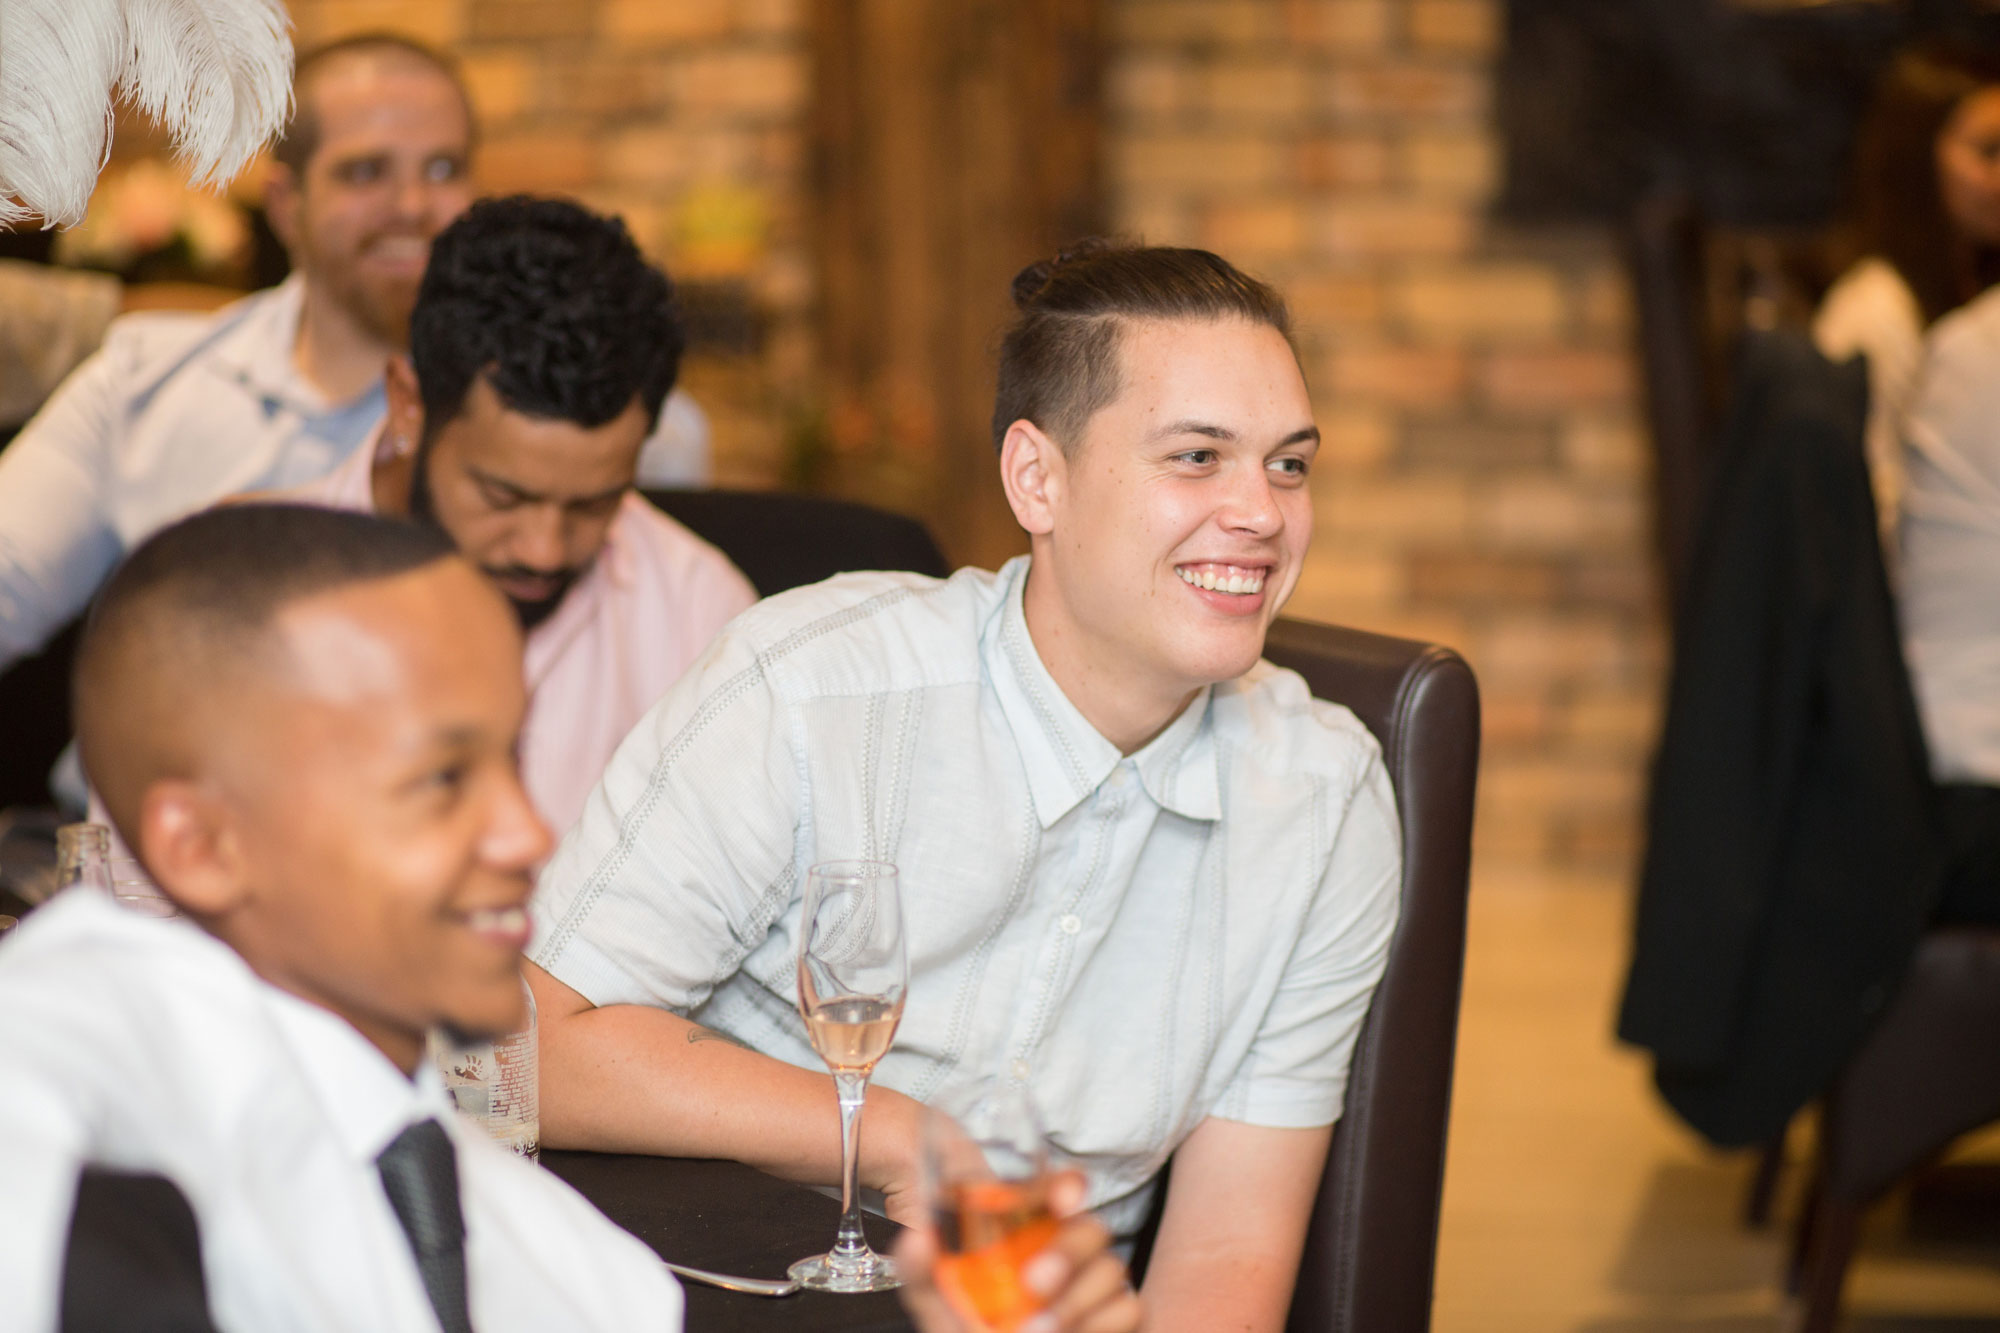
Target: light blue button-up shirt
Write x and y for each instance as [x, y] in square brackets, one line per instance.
[173, 413]
[1194, 930]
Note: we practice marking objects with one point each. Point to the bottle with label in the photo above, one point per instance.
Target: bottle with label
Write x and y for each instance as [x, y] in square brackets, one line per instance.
[83, 856]
[497, 1083]
[92, 854]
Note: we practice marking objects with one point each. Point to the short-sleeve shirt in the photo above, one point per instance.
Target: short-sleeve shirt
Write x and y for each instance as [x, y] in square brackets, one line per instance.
[1192, 930]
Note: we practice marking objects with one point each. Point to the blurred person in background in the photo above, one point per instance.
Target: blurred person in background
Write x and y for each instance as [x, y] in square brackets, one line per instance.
[1948, 596]
[542, 348]
[177, 410]
[1926, 200]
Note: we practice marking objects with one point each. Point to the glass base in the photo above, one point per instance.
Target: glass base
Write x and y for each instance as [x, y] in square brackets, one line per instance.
[867, 1271]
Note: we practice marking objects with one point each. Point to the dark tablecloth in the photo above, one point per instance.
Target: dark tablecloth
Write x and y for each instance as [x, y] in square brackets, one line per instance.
[730, 1218]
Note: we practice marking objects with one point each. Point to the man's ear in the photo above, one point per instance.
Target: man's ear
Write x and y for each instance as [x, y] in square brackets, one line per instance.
[281, 206]
[1034, 471]
[189, 844]
[405, 423]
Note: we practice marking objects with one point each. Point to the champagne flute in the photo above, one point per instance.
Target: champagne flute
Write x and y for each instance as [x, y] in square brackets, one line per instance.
[852, 976]
[986, 1184]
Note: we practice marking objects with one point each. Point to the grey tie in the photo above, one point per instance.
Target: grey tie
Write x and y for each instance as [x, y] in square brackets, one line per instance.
[420, 1173]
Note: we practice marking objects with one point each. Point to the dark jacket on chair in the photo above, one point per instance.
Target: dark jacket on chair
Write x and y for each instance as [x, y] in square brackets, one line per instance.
[1793, 855]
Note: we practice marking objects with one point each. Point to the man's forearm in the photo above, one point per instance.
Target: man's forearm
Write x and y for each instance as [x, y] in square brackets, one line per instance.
[1238, 1203]
[631, 1078]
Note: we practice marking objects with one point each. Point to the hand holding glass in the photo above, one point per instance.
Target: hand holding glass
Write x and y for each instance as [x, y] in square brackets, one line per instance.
[852, 975]
[986, 1176]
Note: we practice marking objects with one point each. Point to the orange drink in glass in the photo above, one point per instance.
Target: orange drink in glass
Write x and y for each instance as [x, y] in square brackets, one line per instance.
[987, 1175]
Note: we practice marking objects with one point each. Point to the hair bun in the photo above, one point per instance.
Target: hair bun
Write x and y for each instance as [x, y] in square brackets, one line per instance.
[1031, 282]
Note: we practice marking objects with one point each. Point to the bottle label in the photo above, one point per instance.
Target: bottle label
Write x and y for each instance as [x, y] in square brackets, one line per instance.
[496, 1084]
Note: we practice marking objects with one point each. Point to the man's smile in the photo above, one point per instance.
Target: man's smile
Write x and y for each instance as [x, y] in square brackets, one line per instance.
[1239, 580]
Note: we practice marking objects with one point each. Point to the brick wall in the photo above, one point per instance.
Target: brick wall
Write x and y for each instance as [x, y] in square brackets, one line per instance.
[1484, 479]
[652, 109]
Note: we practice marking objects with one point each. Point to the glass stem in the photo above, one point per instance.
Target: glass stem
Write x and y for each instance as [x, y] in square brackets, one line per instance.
[851, 1244]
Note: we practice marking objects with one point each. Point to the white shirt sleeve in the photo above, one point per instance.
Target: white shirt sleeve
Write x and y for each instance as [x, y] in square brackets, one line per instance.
[1872, 312]
[683, 856]
[58, 1062]
[1295, 1074]
[57, 542]
[675, 455]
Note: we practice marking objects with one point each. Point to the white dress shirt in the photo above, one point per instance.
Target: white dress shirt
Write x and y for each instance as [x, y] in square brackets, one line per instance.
[175, 412]
[148, 1045]
[1949, 589]
[1145, 941]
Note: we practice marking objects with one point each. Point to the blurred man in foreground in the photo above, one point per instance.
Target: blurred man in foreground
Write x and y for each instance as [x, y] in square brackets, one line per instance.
[304, 721]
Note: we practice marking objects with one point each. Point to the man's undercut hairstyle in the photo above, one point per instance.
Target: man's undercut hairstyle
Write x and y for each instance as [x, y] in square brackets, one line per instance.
[1059, 360]
[301, 136]
[553, 305]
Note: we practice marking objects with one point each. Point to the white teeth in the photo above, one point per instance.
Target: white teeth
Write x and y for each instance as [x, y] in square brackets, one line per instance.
[506, 919]
[1232, 579]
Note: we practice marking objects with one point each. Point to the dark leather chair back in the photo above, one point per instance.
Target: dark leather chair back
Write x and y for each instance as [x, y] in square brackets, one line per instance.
[134, 1258]
[1372, 1248]
[784, 540]
[779, 540]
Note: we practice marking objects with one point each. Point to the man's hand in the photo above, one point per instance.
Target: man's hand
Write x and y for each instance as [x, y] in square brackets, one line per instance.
[1082, 1280]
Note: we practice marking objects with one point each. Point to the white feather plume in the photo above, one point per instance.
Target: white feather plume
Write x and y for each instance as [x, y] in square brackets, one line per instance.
[216, 73]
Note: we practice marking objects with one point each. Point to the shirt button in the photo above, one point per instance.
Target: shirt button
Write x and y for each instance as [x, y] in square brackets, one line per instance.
[1019, 1069]
[1070, 925]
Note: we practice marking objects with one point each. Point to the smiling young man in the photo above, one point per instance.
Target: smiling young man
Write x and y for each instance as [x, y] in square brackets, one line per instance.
[1144, 872]
[304, 723]
[542, 346]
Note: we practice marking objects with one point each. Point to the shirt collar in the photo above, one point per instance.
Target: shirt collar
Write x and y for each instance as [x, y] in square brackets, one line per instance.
[257, 353]
[1177, 767]
[1064, 758]
[367, 1100]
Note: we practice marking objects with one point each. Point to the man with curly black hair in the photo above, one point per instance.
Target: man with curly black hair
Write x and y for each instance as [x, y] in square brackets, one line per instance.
[177, 409]
[542, 345]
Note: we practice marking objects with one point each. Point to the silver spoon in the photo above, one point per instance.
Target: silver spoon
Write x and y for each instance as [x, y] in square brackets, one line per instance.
[754, 1286]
